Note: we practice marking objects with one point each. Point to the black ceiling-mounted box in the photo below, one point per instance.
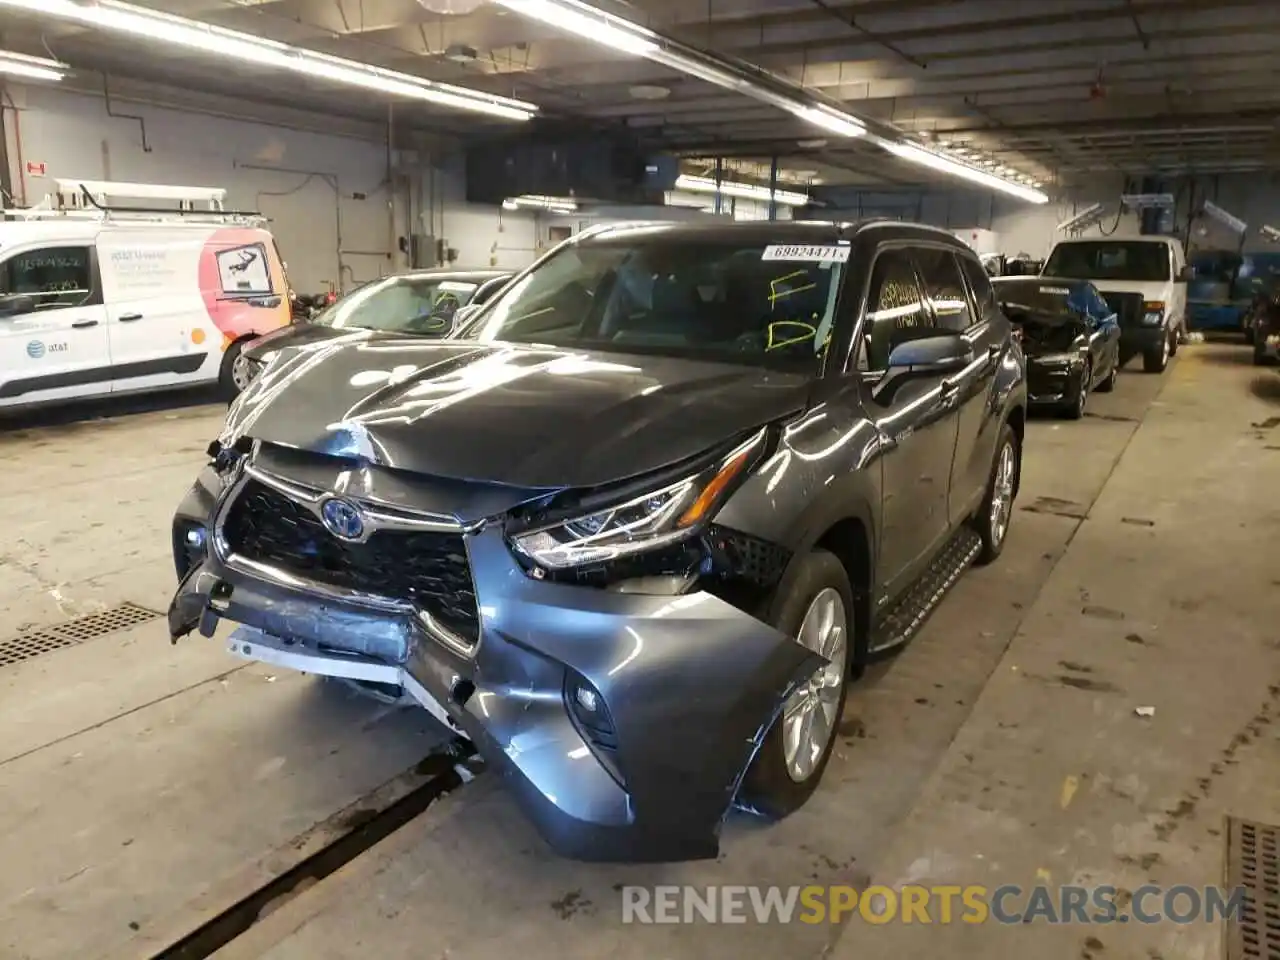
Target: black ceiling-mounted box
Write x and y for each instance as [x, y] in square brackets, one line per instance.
[556, 159]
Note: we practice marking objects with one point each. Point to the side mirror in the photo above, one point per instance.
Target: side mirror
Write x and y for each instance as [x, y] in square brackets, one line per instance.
[1185, 275]
[928, 356]
[15, 304]
[944, 353]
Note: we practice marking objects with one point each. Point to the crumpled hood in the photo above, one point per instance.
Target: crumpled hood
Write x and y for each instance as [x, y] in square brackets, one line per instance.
[518, 415]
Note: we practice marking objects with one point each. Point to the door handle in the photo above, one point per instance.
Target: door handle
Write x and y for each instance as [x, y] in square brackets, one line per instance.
[84, 324]
[129, 317]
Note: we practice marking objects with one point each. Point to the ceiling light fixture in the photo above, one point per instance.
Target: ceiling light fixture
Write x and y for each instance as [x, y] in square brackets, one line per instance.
[617, 33]
[936, 161]
[207, 38]
[538, 202]
[743, 191]
[31, 68]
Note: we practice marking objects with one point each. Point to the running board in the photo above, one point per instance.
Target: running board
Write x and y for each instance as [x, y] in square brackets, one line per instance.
[904, 619]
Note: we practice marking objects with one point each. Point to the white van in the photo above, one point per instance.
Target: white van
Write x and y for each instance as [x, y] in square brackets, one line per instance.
[1143, 279]
[98, 299]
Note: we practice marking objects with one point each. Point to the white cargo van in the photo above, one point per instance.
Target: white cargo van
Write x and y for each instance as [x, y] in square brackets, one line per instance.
[1143, 279]
[97, 298]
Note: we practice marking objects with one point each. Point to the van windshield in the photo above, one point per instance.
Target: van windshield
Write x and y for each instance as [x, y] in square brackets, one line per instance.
[688, 297]
[1136, 260]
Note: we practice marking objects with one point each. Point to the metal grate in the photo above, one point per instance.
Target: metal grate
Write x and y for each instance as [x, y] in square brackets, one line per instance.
[32, 643]
[1253, 864]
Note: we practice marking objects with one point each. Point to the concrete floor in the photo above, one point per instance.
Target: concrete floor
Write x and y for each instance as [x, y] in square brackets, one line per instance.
[146, 787]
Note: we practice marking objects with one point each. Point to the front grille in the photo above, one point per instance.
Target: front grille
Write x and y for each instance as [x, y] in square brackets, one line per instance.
[1128, 307]
[426, 568]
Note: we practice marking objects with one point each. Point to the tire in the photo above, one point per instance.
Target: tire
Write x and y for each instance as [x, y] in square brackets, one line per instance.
[1109, 384]
[988, 526]
[770, 786]
[228, 389]
[1074, 410]
[1155, 361]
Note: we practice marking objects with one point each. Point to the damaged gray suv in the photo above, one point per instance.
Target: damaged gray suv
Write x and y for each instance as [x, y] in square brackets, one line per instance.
[634, 529]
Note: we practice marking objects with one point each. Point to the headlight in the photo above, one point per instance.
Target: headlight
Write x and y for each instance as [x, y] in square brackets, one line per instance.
[654, 519]
[1153, 314]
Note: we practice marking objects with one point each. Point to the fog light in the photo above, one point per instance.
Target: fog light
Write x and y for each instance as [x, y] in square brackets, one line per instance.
[587, 698]
[195, 537]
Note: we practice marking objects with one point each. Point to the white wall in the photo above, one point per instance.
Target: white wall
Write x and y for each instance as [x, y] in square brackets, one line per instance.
[327, 196]
[335, 212]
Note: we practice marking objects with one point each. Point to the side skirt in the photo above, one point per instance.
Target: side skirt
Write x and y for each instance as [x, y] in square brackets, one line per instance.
[903, 620]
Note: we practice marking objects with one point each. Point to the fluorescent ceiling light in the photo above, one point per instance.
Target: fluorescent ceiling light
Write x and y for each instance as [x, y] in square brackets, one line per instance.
[1270, 233]
[743, 191]
[596, 25]
[935, 161]
[1088, 215]
[617, 33]
[538, 202]
[207, 38]
[1231, 222]
[31, 68]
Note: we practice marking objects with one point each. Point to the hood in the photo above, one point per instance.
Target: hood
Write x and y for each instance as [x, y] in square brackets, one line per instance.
[498, 413]
[300, 335]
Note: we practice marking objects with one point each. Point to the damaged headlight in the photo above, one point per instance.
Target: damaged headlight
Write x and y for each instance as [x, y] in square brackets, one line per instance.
[648, 521]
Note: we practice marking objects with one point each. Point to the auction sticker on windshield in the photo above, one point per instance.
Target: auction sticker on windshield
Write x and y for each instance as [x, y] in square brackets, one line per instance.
[809, 253]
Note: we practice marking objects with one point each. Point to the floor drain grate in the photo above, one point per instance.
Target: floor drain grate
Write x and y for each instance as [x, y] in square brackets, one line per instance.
[1253, 864]
[32, 643]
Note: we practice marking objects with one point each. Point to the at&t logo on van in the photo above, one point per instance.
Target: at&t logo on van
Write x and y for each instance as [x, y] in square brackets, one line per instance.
[38, 348]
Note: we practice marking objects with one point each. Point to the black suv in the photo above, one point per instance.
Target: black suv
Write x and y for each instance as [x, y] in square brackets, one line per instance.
[633, 528]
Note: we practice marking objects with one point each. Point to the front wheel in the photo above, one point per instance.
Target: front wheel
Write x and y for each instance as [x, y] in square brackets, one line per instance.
[1155, 361]
[992, 519]
[1109, 383]
[817, 609]
[1074, 409]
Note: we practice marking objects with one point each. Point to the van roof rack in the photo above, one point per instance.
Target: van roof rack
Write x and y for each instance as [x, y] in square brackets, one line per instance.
[93, 200]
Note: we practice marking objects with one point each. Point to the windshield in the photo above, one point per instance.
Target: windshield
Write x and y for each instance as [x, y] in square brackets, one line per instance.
[757, 304]
[1109, 260]
[400, 304]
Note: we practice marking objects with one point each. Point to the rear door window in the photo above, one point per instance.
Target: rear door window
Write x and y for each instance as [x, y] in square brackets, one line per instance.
[945, 289]
[984, 296]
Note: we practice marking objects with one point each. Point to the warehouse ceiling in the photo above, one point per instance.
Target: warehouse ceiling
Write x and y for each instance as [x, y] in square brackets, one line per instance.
[1063, 91]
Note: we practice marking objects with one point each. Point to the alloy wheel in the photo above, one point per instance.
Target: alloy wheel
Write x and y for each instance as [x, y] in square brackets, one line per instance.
[1002, 494]
[809, 715]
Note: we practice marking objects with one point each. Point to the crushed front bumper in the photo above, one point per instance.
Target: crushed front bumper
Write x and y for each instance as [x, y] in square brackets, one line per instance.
[685, 686]
[1053, 382]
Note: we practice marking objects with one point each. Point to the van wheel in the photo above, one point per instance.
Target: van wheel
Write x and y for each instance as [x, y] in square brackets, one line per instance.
[233, 376]
[815, 607]
[1158, 359]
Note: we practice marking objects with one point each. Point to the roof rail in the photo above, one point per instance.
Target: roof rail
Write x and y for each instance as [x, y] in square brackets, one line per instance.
[91, 200]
